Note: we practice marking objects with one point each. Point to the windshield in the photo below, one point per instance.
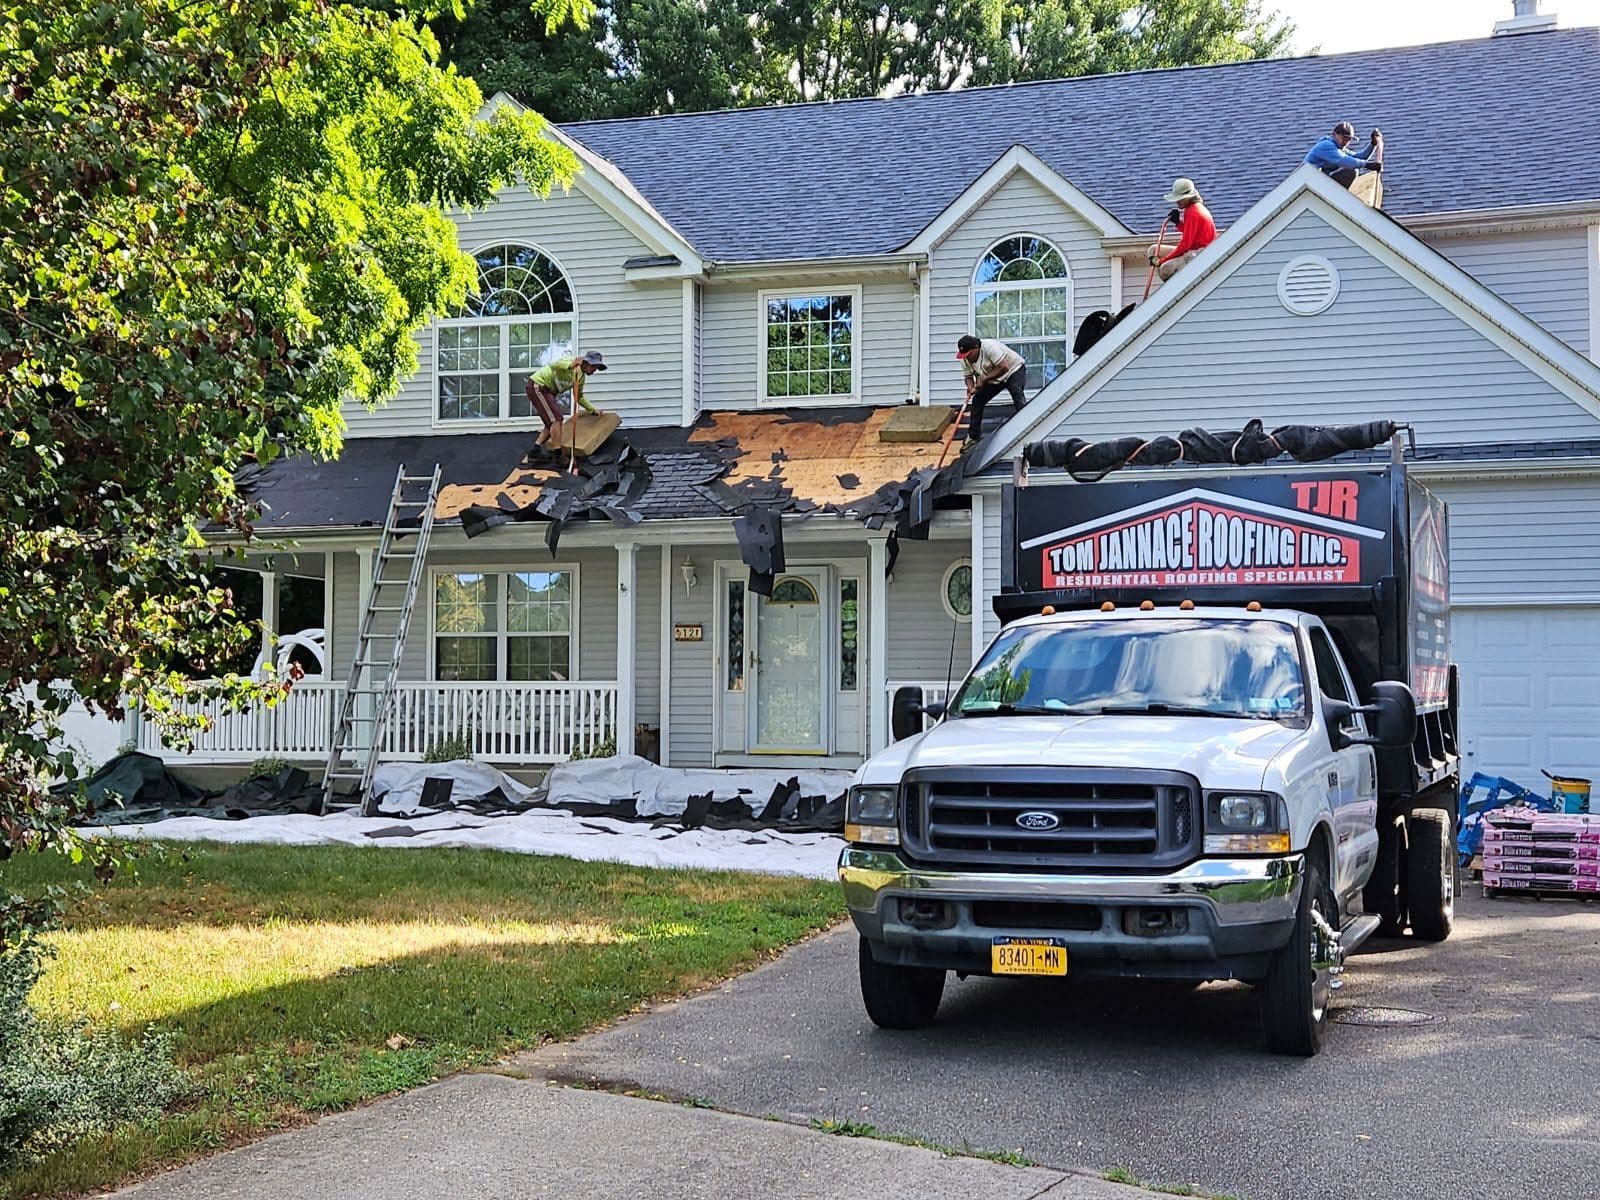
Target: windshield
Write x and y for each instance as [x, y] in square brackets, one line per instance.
[1190, 667]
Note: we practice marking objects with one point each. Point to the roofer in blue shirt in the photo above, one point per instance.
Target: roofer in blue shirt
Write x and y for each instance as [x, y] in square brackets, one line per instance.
[1331, 158]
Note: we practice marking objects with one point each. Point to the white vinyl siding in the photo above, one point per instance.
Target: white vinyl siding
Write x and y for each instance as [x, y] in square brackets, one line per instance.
[1542, 272]
[1383, 350]
[637, 326]
[733, 327]
[1516, 537]
[1021, 205]
[921, 632]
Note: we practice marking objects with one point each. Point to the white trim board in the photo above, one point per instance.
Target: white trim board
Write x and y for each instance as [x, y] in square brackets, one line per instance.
[1018, 159]
[607, 186]
[1308, 190]
[1594, 293]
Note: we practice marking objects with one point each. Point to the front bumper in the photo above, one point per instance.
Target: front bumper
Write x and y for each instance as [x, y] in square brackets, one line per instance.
[1213, 919]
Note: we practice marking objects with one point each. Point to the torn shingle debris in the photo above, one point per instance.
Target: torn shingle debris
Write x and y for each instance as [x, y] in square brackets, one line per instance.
[754, 467]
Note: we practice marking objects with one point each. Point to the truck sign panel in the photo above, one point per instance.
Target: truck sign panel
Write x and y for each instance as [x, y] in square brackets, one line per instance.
[1259, 531]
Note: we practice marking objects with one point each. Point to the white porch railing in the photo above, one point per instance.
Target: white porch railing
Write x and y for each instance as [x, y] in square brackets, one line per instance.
[510, 722]
[934, 691]
[501, 722]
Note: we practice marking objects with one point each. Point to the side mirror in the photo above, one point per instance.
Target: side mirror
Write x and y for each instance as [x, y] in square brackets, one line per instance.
[1396, 710]
[905, 714]
[907, 711]
[1394, 713]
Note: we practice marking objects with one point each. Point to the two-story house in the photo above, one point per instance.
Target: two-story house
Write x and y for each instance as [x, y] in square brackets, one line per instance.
[769, 286]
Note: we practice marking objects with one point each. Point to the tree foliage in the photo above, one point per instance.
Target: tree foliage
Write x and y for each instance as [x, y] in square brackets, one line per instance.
[653, 56]
[219, 220]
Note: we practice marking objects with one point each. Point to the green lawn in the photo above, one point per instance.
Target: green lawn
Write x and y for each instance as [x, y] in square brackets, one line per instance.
[302, 980]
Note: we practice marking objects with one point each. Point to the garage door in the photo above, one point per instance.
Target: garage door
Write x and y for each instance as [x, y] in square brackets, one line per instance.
[1530, 691]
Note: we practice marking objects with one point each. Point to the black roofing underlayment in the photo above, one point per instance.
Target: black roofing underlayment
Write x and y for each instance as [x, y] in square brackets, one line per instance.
[1490, 123]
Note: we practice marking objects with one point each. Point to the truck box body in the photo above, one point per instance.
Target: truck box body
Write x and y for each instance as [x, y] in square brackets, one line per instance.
[1365, 549]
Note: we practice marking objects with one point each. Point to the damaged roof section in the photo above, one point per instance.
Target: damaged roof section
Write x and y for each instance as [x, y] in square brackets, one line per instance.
[771, 464]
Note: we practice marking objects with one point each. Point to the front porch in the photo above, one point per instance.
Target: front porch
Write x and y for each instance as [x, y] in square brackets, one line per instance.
[691, 666]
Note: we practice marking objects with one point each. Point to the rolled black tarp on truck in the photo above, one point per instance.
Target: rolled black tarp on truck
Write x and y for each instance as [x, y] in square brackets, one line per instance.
[1363, 548]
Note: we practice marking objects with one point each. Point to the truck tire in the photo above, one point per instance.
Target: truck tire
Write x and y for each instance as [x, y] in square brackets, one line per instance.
[1385, 893]
[1295, 996]
[1431, 874]
[899, 997]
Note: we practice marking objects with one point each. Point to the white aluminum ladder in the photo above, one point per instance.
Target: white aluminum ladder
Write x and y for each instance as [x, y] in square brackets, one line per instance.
[395, 570]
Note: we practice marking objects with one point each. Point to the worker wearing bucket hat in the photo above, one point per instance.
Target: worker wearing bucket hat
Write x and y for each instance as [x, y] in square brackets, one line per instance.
[1196, 229]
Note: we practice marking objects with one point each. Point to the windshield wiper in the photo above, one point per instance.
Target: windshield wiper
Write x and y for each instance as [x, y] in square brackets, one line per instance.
[1028, 710]
[1158, 709]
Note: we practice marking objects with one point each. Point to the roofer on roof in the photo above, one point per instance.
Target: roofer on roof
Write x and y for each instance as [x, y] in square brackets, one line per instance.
[1196, 229]
[563, 374]
[1331, 158]
[990, 367]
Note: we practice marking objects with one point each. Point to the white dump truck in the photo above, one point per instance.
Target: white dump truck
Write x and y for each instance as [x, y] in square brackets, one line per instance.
[1215, 738]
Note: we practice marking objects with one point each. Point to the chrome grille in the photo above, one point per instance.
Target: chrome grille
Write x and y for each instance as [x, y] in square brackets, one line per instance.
[1077, 817]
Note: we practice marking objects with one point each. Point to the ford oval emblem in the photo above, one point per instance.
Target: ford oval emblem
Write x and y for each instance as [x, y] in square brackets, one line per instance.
[1038, 820]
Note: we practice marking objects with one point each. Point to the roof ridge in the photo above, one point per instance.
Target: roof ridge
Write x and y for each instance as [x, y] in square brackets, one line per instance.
[1069, 80]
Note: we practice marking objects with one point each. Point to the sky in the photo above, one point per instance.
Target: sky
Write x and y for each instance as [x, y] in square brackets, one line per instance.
[1338, 25]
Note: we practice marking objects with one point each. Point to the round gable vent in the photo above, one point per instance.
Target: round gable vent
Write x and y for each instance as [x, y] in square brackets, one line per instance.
[1308, 285]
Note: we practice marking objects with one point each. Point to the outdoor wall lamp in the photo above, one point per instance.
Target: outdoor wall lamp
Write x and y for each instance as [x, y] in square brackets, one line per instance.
[689, 577]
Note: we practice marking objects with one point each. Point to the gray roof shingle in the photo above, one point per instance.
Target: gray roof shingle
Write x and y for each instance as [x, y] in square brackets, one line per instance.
[1482, 124]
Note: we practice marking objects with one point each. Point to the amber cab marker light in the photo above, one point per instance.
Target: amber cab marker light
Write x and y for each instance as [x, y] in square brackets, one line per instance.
[1253, 606]
[1049, 610]
[1146, 605]
[1108, 607]
[1186, 605]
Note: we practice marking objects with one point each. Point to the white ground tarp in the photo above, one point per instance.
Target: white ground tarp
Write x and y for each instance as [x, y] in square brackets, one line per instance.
[665, 791]
[537, 831]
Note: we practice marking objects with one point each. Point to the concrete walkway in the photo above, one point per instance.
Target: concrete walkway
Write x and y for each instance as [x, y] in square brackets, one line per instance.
[492, 1137]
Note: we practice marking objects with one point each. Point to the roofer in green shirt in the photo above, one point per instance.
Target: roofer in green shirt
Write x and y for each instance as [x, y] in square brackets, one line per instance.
[565, 374]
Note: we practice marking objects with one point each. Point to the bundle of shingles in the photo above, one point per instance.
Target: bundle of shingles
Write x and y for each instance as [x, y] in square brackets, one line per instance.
[1532, 851]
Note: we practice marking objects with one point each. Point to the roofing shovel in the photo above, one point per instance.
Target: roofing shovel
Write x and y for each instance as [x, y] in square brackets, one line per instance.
[1151, 278]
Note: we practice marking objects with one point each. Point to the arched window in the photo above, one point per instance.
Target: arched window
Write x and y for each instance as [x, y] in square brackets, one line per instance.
[1022, 295]
[520, 313]
[790, 590]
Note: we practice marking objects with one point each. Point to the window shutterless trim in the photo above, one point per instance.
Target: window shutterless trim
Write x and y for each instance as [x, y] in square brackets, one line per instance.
[501, 633]
[767, 295]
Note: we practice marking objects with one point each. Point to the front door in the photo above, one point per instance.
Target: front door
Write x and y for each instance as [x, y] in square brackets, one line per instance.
[789, 709]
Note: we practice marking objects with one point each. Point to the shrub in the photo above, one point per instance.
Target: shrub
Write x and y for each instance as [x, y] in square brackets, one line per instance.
[451, 749]
[62, 1080]
[268, 768]
[605, 749]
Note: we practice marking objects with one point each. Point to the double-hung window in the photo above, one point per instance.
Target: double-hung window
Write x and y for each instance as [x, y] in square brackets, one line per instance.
[520, 316]
[516, 625]
[809, 349]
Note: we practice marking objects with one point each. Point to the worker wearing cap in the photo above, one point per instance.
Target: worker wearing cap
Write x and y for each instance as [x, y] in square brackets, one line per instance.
[990, 367]
[563, 374]
[1196, 229]
[1331, 157]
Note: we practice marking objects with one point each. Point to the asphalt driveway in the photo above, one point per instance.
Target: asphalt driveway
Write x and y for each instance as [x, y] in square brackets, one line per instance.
[1497, 1095]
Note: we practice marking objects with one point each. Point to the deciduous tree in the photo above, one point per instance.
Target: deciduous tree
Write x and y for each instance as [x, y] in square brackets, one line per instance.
[219, 221]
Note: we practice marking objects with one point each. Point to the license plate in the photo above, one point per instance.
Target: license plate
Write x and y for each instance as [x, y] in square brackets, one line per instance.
[1028, 956]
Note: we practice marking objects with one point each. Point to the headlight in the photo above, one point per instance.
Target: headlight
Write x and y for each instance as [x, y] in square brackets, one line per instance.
[872, 816]
[1246, 823]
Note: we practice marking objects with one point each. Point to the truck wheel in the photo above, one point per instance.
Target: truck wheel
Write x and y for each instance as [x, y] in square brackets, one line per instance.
[1295, 994]
[1431, 874]
[1384, 894]
[899, 997]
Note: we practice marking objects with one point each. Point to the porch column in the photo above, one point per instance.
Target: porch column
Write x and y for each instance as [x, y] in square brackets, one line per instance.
[666, 653]
[877, 645]
[269, 612]
[980, 601]
[627, 637]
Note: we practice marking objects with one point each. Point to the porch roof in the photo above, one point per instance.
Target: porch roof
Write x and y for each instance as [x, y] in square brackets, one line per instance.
[793, 461]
